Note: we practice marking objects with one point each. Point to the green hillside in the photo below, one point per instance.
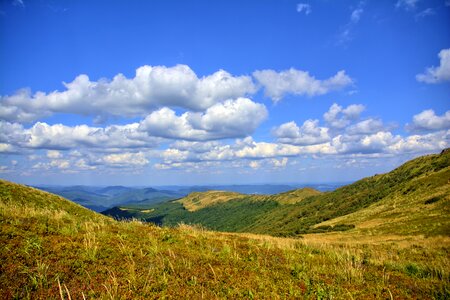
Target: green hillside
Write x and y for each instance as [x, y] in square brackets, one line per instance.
[55, 249]
[417, 191]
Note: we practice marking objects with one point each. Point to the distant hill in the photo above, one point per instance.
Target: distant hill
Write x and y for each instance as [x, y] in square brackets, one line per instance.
[103, 198]
[413, 198]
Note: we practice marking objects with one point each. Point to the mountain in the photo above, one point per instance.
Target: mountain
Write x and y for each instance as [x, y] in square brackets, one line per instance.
[103, 198]
[53, 248]
[416, 192]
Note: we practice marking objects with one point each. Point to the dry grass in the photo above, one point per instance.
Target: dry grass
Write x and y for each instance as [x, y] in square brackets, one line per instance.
[199, 200]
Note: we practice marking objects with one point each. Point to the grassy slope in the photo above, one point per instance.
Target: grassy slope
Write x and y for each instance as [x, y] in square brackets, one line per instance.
[400, 194]
[51, 246]
[411, 185]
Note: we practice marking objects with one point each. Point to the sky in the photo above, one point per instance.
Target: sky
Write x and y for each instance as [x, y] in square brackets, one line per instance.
[168, 92]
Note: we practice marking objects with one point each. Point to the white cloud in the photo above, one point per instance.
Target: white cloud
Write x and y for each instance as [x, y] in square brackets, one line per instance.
[406, 4]
[4, 169]
[431, 142]
[266, 150]
[126, 159]
[339, 117]
[278, 84]
[82, 164]
[308, 134]
[428, 120]
[254, 164]
[366, 127]
[371, 143]
[280, 163]
[425, 13]
[151, 88]
[231, 119]
[440, 73]
[197, 147]
[7, 148]
[58, 136]
[18, 3]
[304, 7]
[54, 154]
[60, 164]
[345, 33]
[356, 15]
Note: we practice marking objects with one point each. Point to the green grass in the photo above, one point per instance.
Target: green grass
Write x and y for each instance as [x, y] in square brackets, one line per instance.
[52, 248]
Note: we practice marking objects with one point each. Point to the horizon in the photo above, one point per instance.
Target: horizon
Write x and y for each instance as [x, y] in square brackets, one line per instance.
[292, 184]
[176, 93]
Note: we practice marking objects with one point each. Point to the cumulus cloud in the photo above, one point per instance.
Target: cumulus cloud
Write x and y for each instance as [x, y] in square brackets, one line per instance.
[339, 117]
[428, 120]
[440, 73]
[305, 8]
[151, 88]
[60, 164]
[126, 159]
[266, 150]
[431, 142]
[367, 126]
[54, 154]
[279, 163]
[231, 119]
[278, 84]
[308, 134]
[371, 143]
[197, 147]
[7, 148]
[59, 137]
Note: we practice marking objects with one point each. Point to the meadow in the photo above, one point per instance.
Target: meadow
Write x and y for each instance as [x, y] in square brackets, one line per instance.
[53, 248]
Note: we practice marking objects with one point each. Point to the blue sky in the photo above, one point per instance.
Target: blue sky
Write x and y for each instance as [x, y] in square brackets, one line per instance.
[207, 92]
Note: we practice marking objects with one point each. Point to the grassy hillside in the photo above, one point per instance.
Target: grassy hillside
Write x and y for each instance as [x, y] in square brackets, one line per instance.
[412, 185]
[200, 200]
[412, 199]
[52, 248]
